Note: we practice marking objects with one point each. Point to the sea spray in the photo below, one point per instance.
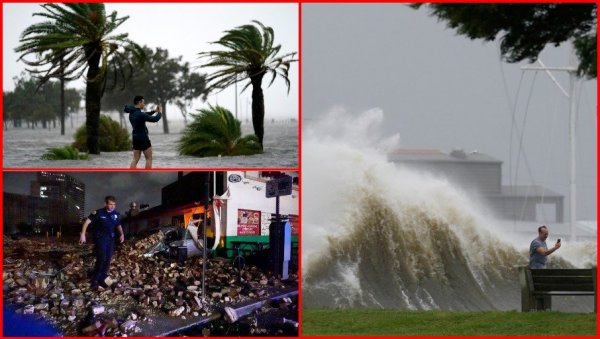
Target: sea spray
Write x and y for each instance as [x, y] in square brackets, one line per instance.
[379, 235]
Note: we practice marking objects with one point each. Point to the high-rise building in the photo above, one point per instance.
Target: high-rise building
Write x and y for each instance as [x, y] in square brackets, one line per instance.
[61, 187]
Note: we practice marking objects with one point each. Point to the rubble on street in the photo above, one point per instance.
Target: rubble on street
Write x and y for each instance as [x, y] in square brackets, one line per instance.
[49, 279]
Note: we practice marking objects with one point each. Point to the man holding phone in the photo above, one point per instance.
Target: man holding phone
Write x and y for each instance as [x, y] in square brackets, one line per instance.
[538, 250]
[141, 141]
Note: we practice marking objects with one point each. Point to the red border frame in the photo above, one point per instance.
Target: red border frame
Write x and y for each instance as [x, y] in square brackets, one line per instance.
[299, 169]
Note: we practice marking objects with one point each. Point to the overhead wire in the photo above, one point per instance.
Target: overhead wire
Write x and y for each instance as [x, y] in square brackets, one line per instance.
[519, 135]
[513, 124]
[521, 148]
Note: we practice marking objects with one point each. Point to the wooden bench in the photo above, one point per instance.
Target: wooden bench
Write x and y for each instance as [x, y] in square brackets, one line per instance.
[539, 285]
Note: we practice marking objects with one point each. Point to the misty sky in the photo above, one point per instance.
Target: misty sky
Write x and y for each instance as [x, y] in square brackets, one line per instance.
[142, 187]
[183, 29]
[442, 91]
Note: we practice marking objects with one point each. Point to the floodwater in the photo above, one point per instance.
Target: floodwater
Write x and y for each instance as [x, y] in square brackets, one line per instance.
[23, 148]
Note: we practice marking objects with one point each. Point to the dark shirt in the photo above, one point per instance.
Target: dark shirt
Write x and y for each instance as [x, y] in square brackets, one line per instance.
[138, 119]
[104, 223]
[537, 260]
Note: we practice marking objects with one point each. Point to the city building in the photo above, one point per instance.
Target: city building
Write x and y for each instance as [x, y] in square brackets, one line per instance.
[481, 175]
[64, 188]
[519, 209]
[29, 214]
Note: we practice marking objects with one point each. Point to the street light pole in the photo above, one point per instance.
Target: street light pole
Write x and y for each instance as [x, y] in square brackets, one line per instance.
[574, 87]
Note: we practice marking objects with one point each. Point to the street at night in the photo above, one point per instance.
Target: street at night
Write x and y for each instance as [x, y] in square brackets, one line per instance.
[156, 284]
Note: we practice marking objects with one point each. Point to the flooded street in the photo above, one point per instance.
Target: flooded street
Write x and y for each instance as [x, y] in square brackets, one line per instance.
[23, 148]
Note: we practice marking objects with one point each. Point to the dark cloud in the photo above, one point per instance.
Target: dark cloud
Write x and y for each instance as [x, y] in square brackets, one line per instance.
[143, 187]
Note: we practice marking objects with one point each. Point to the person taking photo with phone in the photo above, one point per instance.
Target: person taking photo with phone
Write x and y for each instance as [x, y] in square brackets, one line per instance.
[139, 133]
[538, 250]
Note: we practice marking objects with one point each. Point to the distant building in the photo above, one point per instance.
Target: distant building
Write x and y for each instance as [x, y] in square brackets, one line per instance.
[482, 175]
[61, 187]
[55, 204]
[39, 214]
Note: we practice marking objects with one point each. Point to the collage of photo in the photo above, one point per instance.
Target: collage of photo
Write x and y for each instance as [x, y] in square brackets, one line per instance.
[286, 169]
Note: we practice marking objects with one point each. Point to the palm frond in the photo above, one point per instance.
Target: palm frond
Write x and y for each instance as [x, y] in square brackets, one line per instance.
[248, 51]
[215, 131]
[71, 34]
[64, 153]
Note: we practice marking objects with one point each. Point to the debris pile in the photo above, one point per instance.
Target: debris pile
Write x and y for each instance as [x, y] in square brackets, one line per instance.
[50, 279]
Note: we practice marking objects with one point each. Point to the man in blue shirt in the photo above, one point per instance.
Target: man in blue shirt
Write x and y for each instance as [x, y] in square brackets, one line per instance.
[104, 223]
[139, 133]
[538, 250]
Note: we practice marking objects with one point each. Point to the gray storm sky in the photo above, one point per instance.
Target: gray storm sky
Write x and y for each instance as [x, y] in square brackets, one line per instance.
[142, 187]
[183, 29]
[442, 91]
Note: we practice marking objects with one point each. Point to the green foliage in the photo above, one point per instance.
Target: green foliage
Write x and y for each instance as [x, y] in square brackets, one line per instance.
[377, 322]
[64, 153]
[215, 131]
[33, 101]
[585, 47]
[77, 37]
[71, 35]
[160, 79]
[112, 137]
[526, 29]
[250, 53]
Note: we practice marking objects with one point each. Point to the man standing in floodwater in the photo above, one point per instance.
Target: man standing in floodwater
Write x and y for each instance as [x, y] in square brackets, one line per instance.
[538, 250]
[141, 141]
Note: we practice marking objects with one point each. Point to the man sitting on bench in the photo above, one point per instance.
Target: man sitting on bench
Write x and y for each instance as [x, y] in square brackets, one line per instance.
[538, 250]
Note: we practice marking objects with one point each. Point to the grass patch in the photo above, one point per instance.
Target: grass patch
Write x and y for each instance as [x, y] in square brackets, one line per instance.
[409, 323]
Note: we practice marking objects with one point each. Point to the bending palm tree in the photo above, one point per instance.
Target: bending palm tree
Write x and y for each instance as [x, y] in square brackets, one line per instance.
[250, 54]
[215, 131]
[79, 37]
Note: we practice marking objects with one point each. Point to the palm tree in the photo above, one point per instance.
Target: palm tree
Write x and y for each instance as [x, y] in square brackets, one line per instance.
[79, 37]
[215, 131]
[249, 53]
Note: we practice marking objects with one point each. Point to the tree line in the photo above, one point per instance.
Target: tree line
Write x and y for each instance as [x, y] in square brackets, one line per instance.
[34, 104]
[162, 79]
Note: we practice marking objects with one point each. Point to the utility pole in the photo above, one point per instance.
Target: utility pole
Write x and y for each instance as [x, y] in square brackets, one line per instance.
[574, 84]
